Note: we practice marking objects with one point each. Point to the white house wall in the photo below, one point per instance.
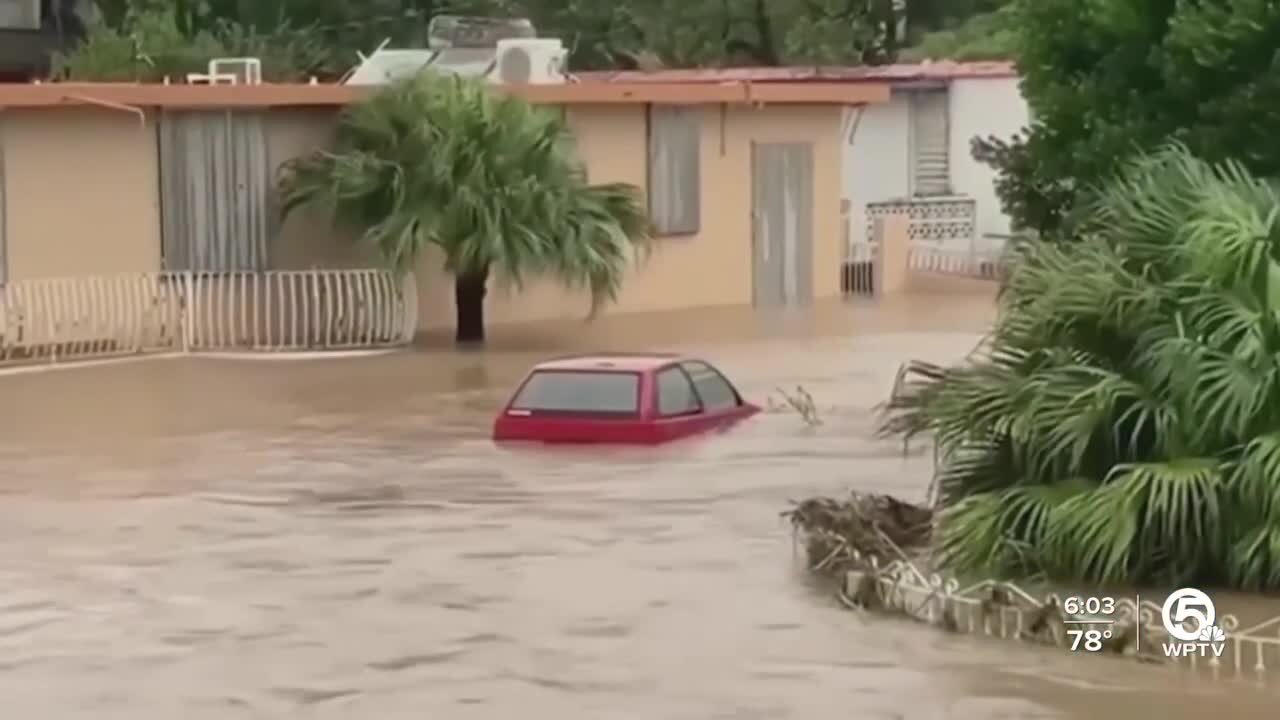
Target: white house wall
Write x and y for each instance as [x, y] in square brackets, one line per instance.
[876, 161]
[982, 107]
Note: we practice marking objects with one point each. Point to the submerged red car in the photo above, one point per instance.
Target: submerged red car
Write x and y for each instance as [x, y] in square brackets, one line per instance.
[618, 398]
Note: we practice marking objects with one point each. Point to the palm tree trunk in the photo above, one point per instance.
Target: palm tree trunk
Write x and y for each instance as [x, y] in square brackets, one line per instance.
[469, 290]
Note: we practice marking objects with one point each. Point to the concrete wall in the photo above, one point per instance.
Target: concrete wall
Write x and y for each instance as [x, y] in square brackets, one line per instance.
[710, 268]
[308, 238]
[982, 107]
[83, 199]
[895, 254]
[877, 163]
[81, 192]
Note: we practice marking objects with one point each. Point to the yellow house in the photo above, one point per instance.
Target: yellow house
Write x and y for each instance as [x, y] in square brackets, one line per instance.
[743, 184]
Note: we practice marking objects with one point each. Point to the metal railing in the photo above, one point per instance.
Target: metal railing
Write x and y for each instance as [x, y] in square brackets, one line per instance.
[973, 262]
[274, 311]
[858, 275]
[1005, 610]
[862, 258]
[290, 310]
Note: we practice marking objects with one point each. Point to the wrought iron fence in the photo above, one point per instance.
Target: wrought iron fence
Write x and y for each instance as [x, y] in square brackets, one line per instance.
[298, 310]
[275, 311]
[858, 276]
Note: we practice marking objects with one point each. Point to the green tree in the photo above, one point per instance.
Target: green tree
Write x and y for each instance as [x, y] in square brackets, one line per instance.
[489, 179]
[724, 32]
[1122, 423]
[153, 41]
[982, 36]
[296, 38]
[1109, 78]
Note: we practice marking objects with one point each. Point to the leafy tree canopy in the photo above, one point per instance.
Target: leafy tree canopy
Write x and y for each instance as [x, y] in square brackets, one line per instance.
[147, 39]
[984, 36]
[488, 179]
[1123, 422]
[1108, 78]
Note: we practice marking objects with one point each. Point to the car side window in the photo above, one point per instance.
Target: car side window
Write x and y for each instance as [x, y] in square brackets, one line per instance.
[715, 392]
[675, 394]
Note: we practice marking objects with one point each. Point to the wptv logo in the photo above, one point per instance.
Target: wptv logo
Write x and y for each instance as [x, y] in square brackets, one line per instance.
[1189, 617]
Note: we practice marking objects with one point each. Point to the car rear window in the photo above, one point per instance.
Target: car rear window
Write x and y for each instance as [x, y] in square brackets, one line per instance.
[587, 393]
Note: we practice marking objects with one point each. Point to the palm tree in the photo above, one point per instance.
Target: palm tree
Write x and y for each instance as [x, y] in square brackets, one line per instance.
[1122, 420]
[489, 179]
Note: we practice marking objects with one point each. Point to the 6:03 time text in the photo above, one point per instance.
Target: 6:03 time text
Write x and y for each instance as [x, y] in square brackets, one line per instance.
[1089, 605]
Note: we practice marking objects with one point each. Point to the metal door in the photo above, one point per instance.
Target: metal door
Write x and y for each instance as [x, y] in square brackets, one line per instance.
[930, 129]
[782, 227]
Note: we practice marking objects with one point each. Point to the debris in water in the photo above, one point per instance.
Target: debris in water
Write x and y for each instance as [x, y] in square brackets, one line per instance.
[801, 401]
[879, 548]
[848, 535]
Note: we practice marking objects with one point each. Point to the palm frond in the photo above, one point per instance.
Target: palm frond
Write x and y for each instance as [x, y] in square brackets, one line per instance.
[488, 178]
[1141, 361]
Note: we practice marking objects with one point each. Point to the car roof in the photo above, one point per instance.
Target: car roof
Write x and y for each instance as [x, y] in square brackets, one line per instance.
[619, 362]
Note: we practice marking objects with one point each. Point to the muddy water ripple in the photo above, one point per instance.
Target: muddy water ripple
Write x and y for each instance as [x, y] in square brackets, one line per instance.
[338, 539]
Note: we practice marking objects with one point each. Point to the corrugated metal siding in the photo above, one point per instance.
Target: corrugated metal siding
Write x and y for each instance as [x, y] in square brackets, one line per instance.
[782, 214]
[675, 169]
[930, 160]
[215, 179]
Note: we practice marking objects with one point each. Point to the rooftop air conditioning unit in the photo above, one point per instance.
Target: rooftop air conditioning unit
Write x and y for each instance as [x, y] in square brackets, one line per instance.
[19, 14]
[247, 70]
[529, 61]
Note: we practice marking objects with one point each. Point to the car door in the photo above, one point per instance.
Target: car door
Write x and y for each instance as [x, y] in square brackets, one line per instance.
[721, 403]
[678, 411]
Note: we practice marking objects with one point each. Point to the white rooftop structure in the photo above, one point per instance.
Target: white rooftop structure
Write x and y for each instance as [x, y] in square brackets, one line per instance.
[513, 61]
[500, 49]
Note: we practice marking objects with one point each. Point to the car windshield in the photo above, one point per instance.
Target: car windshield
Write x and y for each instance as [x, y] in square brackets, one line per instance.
[588, 393]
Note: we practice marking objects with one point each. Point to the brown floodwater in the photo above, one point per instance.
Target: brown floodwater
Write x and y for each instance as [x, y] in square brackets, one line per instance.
[338, 538]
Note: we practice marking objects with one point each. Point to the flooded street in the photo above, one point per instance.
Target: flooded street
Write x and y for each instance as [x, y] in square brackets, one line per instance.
[338, 538]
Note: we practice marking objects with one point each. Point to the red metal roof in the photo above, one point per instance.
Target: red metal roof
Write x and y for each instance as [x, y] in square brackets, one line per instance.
[941, 70]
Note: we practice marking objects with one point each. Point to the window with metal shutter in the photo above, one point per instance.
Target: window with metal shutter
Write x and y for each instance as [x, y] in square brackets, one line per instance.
[215, 178]
[675, 171]
[930, 164]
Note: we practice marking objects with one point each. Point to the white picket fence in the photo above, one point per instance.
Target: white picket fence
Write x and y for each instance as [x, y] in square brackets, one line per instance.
[274, 311]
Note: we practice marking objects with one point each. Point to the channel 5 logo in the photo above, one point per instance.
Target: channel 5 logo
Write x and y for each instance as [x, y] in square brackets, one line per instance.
[1189, 606]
